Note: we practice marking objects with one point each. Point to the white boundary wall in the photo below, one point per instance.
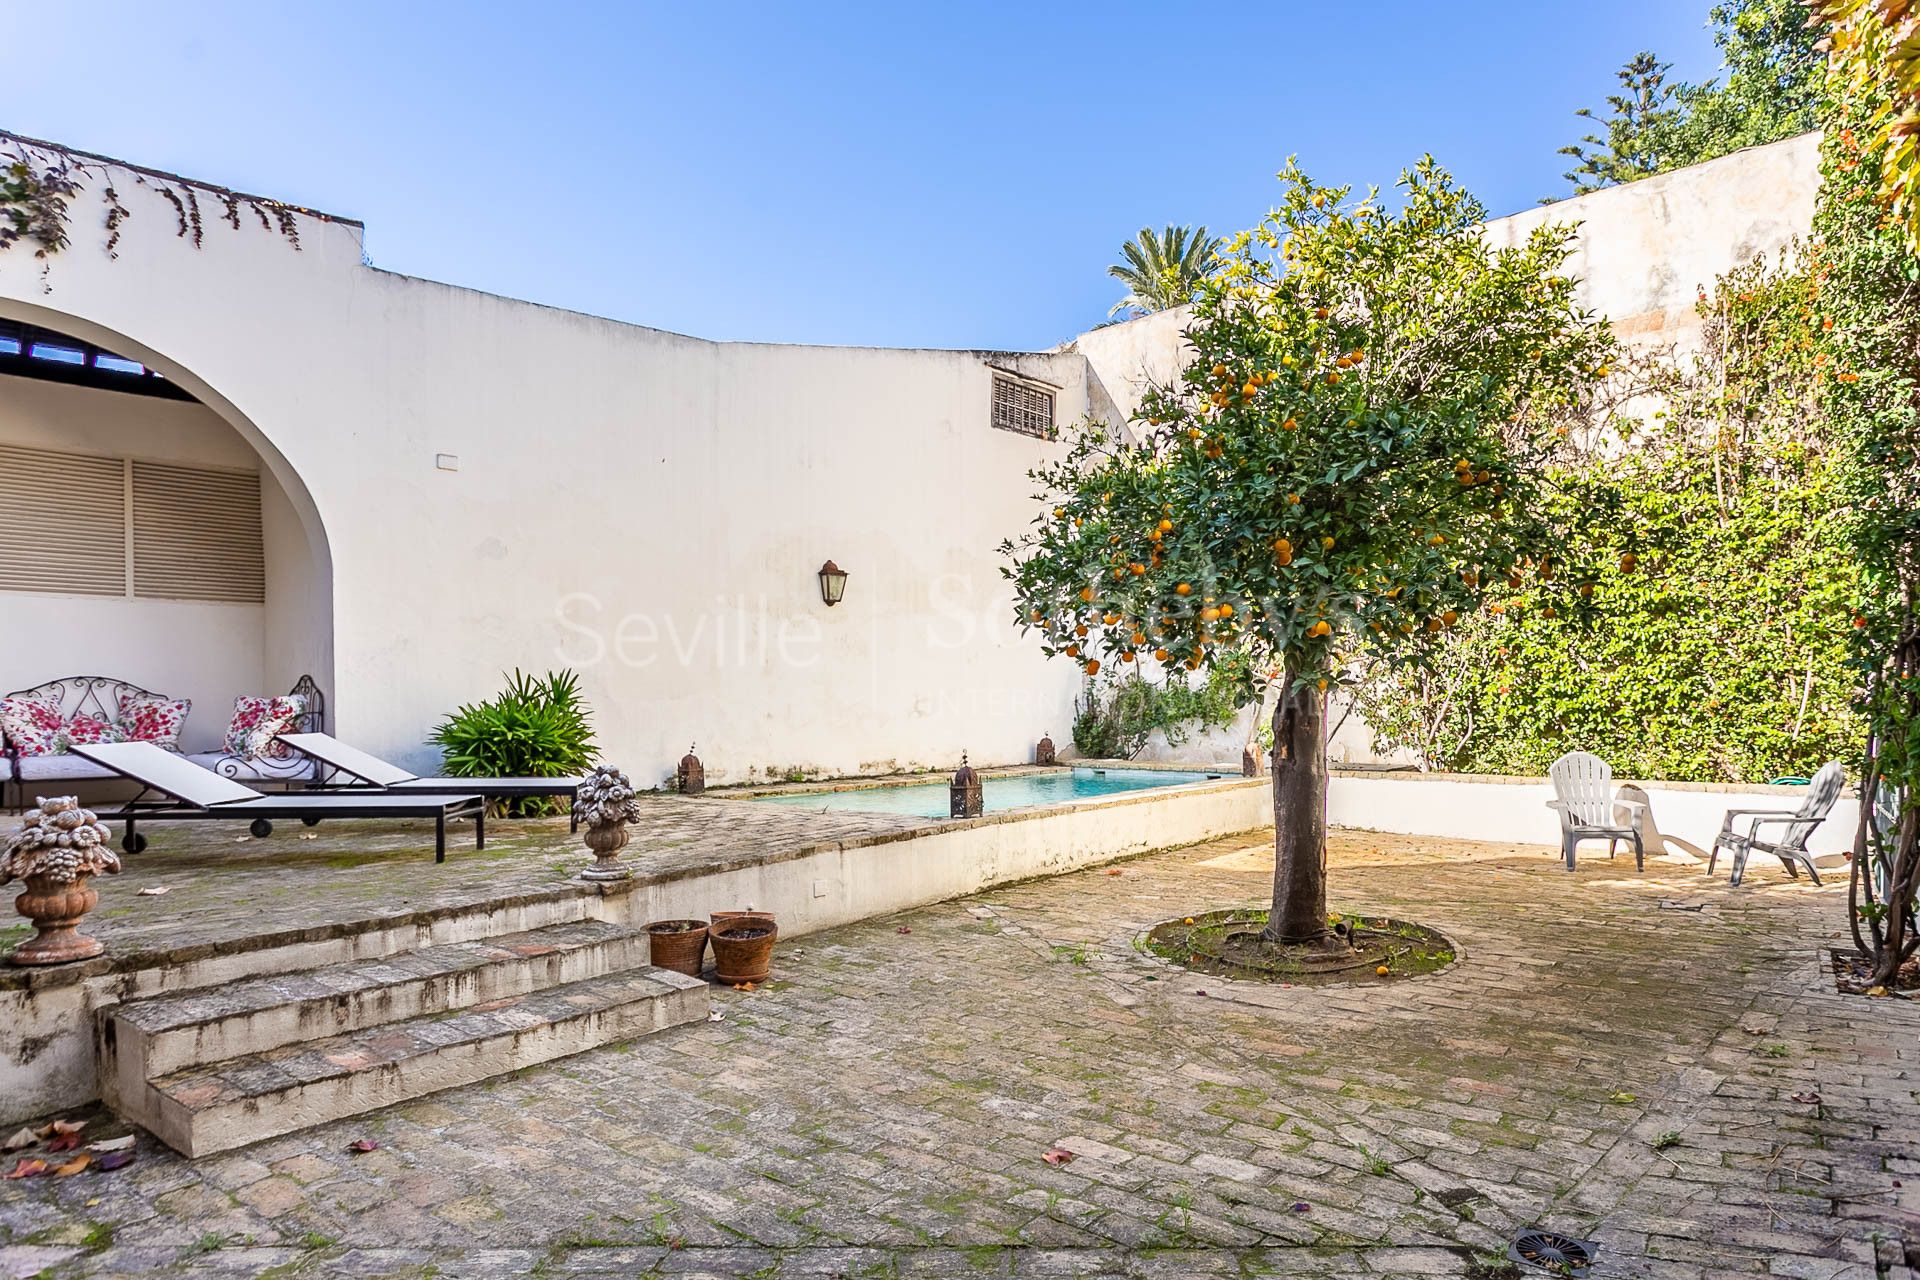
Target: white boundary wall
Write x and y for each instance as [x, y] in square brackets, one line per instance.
[1684, 815]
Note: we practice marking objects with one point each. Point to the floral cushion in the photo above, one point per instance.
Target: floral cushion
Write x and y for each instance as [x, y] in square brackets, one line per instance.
[257, 722]
[85, 730]
[149, 718]
[29, 725]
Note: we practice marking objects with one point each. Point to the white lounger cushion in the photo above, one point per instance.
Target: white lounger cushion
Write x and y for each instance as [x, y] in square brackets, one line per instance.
[57, 768]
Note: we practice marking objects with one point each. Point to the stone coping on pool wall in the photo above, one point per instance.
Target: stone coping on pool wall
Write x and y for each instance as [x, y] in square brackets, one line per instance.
[929, 777]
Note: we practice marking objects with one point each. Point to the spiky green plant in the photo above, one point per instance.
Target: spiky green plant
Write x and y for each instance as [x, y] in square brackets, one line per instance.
[1163, 269]
[539, 727]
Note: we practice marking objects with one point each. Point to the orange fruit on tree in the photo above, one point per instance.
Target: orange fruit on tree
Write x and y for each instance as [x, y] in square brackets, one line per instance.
[1326, 543]
[1226, 611]
[1093, 666]
[1628, 562]
[1165, 526]
[1160, 655]
[1072, 651]
[1183, 589]
[1136, 568]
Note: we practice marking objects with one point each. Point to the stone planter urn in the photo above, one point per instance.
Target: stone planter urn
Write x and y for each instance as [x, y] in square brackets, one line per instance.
[606, 803]
[57, 849]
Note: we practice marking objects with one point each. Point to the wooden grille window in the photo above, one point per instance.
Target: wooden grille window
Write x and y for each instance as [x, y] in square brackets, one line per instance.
[71, 524]
[1017, 406]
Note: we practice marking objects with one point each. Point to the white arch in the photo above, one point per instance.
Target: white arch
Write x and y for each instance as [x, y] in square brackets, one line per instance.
[283, 472]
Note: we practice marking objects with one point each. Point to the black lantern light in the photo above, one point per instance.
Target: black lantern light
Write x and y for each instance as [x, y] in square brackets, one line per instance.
[833, 583]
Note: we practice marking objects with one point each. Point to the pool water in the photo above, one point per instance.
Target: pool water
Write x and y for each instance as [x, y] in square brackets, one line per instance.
[1056, 786]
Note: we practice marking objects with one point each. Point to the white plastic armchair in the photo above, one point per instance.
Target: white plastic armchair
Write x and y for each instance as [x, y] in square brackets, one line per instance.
[1590, 809]
[1789, 843]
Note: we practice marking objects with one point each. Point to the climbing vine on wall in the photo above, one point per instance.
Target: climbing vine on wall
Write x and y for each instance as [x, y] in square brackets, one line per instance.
[1718, 647]
[42, 182]
[1868, 279]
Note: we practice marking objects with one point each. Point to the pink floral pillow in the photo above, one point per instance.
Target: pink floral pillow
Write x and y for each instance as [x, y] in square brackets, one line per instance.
[257, 723]
[147, 718]
[29, 725]
[84, 730]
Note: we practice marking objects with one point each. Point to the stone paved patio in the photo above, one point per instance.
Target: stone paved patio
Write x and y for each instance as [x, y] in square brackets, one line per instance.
[221, 884]
[1602, 1060]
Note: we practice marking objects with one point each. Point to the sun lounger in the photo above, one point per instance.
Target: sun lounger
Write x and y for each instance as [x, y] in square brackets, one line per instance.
[186, 792]
[367, 771]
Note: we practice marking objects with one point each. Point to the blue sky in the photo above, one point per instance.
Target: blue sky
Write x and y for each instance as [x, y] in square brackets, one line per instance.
[898, 175]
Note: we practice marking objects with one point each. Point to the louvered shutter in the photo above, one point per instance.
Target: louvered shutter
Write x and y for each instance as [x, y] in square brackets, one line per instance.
[196, 534]
[63, 522]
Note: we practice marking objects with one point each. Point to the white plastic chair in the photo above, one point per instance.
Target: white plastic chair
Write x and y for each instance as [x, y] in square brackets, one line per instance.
[1589, 807]
[1790, 846]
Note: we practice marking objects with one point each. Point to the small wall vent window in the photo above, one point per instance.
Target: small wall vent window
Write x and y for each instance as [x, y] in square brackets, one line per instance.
[1022, 407]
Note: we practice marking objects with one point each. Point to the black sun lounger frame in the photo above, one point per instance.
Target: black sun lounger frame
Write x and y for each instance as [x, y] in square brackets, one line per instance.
[160, 775]
[342, 768]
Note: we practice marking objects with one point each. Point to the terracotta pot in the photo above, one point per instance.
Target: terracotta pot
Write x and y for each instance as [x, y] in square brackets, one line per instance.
[55, 909]
[718, 916]
[680, 945]
[743, 947]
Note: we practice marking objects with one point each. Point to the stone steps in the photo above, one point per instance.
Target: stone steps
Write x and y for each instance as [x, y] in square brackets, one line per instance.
[219, 1068]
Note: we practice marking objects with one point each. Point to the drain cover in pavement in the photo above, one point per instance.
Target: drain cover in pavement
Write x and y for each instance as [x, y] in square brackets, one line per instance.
[1562, 1255]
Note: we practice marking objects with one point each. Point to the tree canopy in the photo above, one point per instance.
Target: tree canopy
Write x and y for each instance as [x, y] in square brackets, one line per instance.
[1353, 459]
[1162, 269]
[1770, 89]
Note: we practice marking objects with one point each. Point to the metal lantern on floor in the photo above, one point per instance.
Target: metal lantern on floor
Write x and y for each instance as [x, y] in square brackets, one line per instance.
[833, 583]
[692, 775]
[963, 793]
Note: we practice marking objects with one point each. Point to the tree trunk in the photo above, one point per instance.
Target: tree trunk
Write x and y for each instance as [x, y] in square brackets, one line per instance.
[1300, 819]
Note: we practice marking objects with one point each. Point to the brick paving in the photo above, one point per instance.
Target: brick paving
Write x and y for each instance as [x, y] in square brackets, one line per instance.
[1603, 1060]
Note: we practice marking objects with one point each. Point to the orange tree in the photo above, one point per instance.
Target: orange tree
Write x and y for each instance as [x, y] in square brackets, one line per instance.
[1354, 458]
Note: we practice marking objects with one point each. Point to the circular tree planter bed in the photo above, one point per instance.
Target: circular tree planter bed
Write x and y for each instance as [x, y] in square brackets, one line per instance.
[1228, 944]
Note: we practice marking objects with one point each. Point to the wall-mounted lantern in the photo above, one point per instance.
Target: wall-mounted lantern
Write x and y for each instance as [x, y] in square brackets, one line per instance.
[833, 583]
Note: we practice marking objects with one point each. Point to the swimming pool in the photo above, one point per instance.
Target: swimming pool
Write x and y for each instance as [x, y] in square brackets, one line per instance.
[1055, 786]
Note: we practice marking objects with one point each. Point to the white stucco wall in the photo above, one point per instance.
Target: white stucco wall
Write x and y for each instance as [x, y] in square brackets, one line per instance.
[1646, 249]
[208, 652]
[648, 508]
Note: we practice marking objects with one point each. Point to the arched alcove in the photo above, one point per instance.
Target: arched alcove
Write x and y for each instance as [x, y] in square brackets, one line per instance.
[213, 602]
